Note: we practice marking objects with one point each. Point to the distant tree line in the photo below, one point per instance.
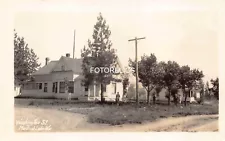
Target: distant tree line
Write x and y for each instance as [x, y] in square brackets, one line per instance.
[157, 75]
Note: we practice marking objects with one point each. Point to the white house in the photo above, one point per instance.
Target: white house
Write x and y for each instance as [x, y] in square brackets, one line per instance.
[49, 82]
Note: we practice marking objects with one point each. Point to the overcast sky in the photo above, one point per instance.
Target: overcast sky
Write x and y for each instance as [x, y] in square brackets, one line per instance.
[183, 31]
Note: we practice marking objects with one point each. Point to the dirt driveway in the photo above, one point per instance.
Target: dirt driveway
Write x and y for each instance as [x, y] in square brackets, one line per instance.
[54, 120]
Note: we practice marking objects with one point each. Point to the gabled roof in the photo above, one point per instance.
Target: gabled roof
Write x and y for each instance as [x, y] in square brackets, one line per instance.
[46, 69]
[73, 64]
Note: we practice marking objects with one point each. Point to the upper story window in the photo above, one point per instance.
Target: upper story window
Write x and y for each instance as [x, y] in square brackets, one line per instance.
[63, 68]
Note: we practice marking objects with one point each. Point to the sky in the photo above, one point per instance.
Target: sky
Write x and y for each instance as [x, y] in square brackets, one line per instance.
[184, 31]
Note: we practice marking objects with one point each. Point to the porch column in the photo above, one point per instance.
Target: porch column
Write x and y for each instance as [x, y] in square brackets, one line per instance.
[94, 90]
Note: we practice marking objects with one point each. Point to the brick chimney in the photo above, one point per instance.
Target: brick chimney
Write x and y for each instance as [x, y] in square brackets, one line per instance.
[46, 60]
[67, 55]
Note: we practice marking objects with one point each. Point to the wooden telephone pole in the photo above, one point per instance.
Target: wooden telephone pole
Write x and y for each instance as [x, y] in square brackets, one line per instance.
[136, 60]
[74, 44]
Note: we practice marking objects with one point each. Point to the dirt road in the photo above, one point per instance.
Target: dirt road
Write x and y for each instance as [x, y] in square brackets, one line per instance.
[53, 120]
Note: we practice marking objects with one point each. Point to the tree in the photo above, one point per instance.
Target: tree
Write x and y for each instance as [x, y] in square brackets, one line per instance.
[160, 83]
[150, 73]
[185, 80]
[146, 72]
[202, 92]
[215, 88]
[125, 82]
[99, 54]
[158, 89]
[174, 90]
[207, 94]
[188, 79]
[25, 60]
[171, 74]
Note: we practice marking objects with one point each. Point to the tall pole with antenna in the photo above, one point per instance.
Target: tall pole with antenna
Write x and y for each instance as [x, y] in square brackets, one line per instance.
[74, 44]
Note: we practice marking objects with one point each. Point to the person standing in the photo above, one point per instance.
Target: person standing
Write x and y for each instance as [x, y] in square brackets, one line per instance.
[117, 98]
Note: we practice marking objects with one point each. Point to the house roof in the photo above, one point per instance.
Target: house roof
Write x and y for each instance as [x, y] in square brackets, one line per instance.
[74, 64]
[46, 69]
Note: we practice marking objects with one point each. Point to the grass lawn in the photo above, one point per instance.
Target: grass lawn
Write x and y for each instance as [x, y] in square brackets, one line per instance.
[123, 114]
[116, 115]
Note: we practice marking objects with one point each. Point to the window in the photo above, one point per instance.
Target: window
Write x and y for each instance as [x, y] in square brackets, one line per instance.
[71, 87]
[86, 88]
[114, 86]
[62, 87]
[55, 87]
[45, 87]
[40, 86]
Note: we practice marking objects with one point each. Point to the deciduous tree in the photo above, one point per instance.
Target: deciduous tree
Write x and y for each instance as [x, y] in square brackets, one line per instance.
[149, 72]
[188, 79]
[215, 88]
[25, 60]
[171, 74]
[125, 82]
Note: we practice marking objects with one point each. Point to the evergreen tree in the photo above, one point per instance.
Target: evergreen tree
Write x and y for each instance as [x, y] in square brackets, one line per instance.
[99, 53]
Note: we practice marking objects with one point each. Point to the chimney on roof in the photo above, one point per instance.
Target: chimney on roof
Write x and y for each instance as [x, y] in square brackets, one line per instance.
[46, 60]
[67, 55]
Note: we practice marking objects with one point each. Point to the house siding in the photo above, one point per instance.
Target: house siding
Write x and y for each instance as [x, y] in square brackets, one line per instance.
[60, 76]
[39, 93]
[43, 78]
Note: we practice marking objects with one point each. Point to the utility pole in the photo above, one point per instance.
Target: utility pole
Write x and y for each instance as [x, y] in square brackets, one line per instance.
[74, 44]
[136, 60]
